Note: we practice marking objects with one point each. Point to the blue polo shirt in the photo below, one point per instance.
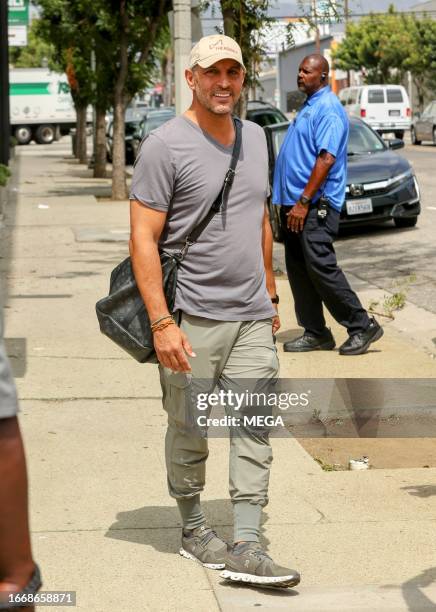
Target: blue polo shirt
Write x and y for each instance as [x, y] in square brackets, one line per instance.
[321, 124]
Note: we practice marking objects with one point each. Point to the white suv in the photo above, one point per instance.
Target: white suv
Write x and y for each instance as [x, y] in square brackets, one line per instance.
[386, 108]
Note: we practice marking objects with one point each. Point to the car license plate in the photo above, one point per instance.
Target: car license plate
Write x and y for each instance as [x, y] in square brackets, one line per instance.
[394, 113]
[359, 207]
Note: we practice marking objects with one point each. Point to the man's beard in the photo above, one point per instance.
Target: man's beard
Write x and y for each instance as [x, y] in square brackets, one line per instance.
[217, 109]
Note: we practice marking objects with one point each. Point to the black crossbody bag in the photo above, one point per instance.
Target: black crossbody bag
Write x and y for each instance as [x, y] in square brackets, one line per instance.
[122, 314]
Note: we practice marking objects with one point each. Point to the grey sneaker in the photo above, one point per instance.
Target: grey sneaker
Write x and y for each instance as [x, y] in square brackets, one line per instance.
[203, 545]
[249, 563]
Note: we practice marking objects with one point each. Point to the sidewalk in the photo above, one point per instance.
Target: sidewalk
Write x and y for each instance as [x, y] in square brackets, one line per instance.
[103, 524]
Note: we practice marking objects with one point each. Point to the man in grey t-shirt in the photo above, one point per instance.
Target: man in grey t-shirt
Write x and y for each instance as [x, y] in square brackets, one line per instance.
[226, 304]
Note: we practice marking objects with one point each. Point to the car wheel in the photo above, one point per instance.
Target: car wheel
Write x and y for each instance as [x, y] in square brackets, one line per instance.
[276, 226]
[413, 138]
[23, 134]
[399, 134]
[45, 134]
[434, 136]
[406, 221]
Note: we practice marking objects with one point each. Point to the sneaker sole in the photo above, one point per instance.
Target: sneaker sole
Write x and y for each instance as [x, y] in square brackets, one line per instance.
[188, 555]
[366, 346]
[327, 346]
[276, 581]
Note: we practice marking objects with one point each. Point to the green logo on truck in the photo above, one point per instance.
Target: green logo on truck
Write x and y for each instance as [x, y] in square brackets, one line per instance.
[37, 89]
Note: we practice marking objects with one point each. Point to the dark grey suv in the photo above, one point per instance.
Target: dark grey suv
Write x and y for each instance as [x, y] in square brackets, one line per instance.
[263, 113]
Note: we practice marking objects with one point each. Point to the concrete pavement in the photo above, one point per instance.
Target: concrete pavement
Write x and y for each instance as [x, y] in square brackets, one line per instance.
[102, 521]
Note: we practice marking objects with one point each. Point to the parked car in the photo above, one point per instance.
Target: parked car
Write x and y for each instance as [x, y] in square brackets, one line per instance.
[133, 118]
[263, 113]
[386, 108]
[424, 126]
[381, 185]
[152, 120]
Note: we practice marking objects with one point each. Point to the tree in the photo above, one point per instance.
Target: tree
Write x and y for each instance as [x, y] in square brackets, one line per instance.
[244, 20]
[385, 47]
[122, 36]
[37, 53]
[421, 61]
[63, 25]
[136, 27]
[248, 22]
[378, 45]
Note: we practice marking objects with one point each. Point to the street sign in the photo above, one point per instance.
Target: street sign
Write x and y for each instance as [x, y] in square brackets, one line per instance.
[18, 13]
[17, 36]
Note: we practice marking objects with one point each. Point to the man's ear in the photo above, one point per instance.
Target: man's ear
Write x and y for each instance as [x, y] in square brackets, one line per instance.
[189, 76]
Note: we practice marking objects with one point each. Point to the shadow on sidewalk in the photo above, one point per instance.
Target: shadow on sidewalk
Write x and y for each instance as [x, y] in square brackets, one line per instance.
[420, 490]
[415, 599]
[145, 525]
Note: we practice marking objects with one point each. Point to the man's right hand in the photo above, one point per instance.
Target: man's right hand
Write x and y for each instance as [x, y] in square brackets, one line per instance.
[172, 345]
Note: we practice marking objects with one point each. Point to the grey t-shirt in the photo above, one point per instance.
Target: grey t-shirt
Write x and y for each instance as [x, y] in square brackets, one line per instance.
[180, 170]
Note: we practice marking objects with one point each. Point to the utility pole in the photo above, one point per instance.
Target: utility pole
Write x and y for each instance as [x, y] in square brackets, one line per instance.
[5, 128]
[91, 163]
[182, 50]
[315, 19]
[346, 25]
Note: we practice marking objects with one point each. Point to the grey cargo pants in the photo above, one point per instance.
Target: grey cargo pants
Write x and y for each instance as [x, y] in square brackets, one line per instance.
[225, 351]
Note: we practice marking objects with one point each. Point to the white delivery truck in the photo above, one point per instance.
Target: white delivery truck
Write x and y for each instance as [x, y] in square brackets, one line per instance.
[41, 106]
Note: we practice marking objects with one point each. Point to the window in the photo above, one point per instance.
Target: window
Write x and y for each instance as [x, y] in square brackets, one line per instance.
[359, 96]
[394, 95]
[363, 140]
[352, 99]
[266, 117]
[343, 95]
[376, 96]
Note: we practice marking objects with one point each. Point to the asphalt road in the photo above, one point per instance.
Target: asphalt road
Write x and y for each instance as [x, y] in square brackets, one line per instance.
[397, 259]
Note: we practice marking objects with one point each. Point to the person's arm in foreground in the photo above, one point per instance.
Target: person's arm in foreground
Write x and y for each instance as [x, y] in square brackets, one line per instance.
[267, 249]
[320, 171]
[146, 226]
[17, 567]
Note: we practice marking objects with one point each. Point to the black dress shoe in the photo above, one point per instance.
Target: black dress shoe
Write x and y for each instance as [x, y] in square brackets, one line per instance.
[357, 344]
[310, 342]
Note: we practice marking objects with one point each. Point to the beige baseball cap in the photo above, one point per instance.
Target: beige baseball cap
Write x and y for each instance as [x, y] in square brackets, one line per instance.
[211, 49]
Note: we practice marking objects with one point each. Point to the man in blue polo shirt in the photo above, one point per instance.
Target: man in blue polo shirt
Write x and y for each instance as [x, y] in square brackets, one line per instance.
[309, 184]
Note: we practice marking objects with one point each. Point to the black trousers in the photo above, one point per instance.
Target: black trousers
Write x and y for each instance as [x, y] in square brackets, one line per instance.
[316, 278]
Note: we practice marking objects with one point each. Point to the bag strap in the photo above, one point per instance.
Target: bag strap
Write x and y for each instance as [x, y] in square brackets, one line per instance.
[221, 199]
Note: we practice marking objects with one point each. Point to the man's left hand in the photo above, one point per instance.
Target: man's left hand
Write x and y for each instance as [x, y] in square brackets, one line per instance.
[297, 217]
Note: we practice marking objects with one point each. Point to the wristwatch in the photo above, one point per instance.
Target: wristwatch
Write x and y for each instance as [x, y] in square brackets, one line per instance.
[275, 300]
[305, 200]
